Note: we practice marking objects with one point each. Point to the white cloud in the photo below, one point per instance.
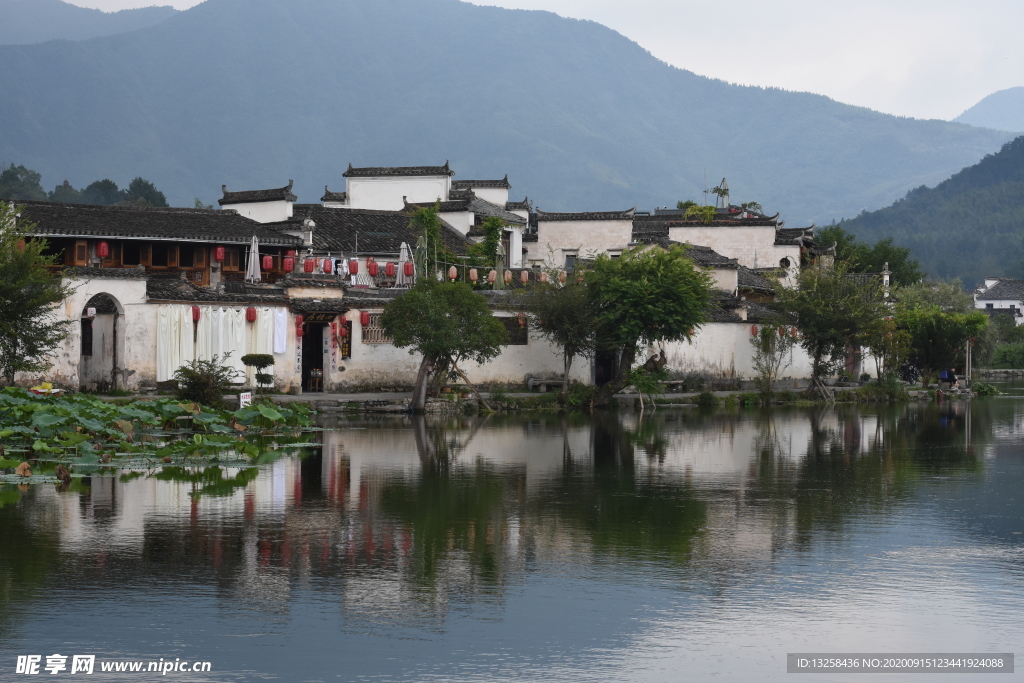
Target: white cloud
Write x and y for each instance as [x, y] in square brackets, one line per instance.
[921, 58]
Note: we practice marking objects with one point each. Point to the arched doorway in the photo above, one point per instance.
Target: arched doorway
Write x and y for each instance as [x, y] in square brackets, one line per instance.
[102, 344]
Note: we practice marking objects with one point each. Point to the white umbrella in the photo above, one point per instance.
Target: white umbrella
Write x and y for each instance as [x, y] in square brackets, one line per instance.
[252, 269]
[404, 256]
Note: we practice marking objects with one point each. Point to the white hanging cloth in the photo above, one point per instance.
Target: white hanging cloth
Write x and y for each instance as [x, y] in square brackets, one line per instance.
[235, 334]
[204, 334]
[217, 333]
[186, 336]
[163, 344]
[280, 330]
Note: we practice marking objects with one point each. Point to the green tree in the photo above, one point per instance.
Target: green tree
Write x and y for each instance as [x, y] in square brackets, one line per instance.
[65, 194]
[18, 182]
[834, 309]
[143, 193]
[645, 296]
[447, 323]
[683, 206]
[565, 315]
[752, 206]
[949, 296]
[865, 258]
[436, 254]
[772, 346]
[102, 193]
[483, 253]
[937, 337]
[29, 328]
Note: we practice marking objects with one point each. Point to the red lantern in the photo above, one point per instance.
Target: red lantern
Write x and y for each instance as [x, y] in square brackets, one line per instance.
[268, 262]
[290, 252]
[389, 269]
[792, 332]
[288, 264]
[453, 273]
[492, 276]
[753, 330]
[196, 314]
[353, 267]
[103, 250]
[543, 277]
[299, 320]
[328, 265]
[343, 330]
[308, 265]
[218, 253]
[299, 332]
[524, 276]
[473, 275]
[410, 269]
[250, 314]
[364, 318]
[782, 331]
[372, 268]
[508, 277]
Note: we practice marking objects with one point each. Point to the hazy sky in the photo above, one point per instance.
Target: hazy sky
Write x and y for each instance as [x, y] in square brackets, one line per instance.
[921, 58]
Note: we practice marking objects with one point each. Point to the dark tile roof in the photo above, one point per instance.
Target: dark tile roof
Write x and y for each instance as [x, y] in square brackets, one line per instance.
[374, 171]
[525, 205]
[185, 291]
[587, 216]
[748, 279]
[455, 195]
[1004, 289]
[377, 232]
[311, 280]
[334, 196]
[675, 220]
[723, 310]
[308, 305]
[760, 313]
[794, 236]
[254, 196]
[133, 222]
[530, 237]
[82, 273]
[709, 258]
[469, 184]
[475, 205]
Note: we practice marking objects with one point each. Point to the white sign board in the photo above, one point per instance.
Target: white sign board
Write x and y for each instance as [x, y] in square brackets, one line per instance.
[245, 399]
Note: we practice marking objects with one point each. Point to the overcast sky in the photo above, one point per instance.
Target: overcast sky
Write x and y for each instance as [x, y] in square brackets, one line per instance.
[921, 58]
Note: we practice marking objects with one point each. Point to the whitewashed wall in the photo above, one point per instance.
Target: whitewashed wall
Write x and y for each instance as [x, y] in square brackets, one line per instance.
[724, 350]
[385, 193]
[582, 237]
[752, 246]
[494, 195]
[264, 212]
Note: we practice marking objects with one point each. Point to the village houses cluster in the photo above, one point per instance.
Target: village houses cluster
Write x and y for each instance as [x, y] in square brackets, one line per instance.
[155, 288]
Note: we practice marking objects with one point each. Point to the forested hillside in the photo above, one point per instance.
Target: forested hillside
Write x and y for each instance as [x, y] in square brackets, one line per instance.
[251, 93]
[1002, 110]
[969, 226]
[23, 22]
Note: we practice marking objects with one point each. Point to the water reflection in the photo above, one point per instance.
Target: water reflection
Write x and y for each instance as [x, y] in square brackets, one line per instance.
[413, 523]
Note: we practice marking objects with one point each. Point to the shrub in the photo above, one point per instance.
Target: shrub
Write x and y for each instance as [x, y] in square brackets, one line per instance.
[1009, 356]
[984, 389]
[580, 396]
[260, 361]
[205, 381]
[706, 399]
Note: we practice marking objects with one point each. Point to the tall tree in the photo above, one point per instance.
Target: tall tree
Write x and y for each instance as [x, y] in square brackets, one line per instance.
[103, 193]
[435, 254]
[29, 327]
[646, 296]
[65, 194]
[141, 191]
[565, 315]
[834, 309]
[867, 258]
[446, 322]
[18, 182]
[937, 338]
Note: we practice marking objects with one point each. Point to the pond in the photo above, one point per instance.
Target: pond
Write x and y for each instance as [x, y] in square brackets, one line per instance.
[685, 545]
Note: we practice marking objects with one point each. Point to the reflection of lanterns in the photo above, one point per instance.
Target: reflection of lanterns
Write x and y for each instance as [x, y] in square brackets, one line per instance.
[308, 265]
[524, 276]
[353, 267]
[473, 275]
[364, 318]
[372, 268]
[299, 320]
[508, 277]
[196, 314]
[103, 250]
[410, 269]
[288, 264]
[562, 276]
[492, 276]
[453, 273]
[543, 277]
[389, 269]
[250, 314]
[522, 319]
[753, 330]
[268, 262]
[218, 253]
[328, 265]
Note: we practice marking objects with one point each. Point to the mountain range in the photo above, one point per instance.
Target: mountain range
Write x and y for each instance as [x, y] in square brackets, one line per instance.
[35, 21]
[968, 226]
[1002, 110]
[252, 93]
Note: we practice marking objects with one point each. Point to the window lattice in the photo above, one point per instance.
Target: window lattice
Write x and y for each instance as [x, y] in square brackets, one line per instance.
[374, 333]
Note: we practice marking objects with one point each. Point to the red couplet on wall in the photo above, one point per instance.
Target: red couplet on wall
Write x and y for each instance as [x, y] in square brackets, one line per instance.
[372, 268]
[218, 253]
[196, 314]
[250, 314]
[268, 262]
[103, 250]
[308, 265]
[288, 264]
[389, 269]
[353, 267]
[328, 265]
[410, 269]
[364, 318]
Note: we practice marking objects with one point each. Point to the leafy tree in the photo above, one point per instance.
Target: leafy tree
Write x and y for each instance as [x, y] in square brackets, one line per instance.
[772, 346]
[705, 214]
[834, 309]
[206, 381]
[102, 193]
[29, 329]
[199, 204]
[865, 258]
[483, 253]
[890, 346]
[565, 315]
[65, 194]
[752, 206]
[18, 182]
[683, 206]
[142, 192]
[949, 296]
[436, 254]
[937, 337]
[446, 322]
[645, 296]
[260, 361]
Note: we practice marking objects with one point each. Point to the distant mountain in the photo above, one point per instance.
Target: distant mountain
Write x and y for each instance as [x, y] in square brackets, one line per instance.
[970, 226]
[25, 22]
[1002, 110]
[252, 93]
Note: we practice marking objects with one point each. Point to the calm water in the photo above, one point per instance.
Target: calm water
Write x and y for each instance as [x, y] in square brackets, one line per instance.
[687, 546]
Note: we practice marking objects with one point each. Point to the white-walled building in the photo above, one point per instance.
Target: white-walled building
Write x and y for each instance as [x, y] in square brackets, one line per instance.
[1001, 295]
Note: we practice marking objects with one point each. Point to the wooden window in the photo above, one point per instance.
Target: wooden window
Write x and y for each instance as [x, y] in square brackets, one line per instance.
[160, 252]
[131, 254]
[232, 259]
[374, 333]
[78, 254]
[518, 334]
[186, 257]
[199, 257]
[86, 337]
[172, 256]
[146, 254]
